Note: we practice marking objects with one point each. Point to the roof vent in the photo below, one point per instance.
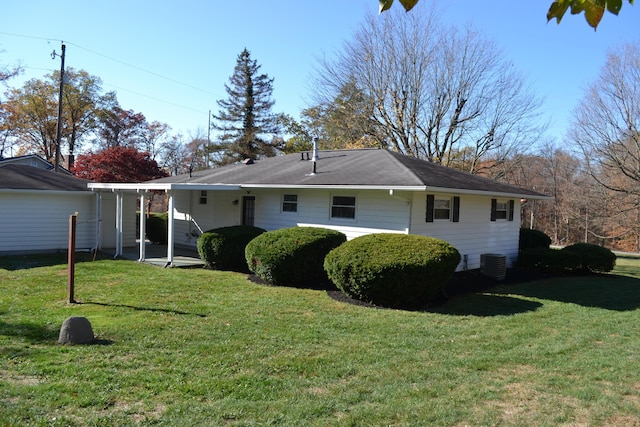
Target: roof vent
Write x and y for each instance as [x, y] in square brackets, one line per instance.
[247, 161]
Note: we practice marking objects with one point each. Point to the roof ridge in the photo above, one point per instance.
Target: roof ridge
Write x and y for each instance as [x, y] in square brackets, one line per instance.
[398, 157]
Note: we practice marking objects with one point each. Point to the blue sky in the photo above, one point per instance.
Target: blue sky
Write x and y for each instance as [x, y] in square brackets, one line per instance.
[170, 60]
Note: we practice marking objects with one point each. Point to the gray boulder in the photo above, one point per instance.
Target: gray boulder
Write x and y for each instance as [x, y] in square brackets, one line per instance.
[76, 330]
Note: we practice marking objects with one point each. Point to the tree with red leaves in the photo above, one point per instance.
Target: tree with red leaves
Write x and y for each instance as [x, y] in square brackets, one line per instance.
[117, 164]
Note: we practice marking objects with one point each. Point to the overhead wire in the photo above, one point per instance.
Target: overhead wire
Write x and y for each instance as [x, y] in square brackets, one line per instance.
[48, 39]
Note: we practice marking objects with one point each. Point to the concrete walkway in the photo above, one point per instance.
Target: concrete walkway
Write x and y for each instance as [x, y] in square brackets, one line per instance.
[157, 255]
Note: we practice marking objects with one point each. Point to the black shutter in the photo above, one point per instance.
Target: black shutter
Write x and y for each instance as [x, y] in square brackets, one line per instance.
[511, 208]
[456, 208]
[494, 208]
[430, 207]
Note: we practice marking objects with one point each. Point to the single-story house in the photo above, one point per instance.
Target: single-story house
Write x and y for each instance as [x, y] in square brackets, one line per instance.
[357, 192]
[36, 203]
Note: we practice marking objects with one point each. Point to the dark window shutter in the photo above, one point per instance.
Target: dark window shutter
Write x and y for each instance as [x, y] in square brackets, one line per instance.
[511, 208]
[430, 206]
[494, 207]
[456, 209]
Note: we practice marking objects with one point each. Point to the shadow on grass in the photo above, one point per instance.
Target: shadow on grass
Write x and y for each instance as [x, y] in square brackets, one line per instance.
[33, 332]
[482, 305]
[38, 334]
[137, 308]
[472, 294]
[606, 291]
[24, 262]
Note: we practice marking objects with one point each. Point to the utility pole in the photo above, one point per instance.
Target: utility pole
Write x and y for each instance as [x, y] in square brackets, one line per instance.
[59, 130]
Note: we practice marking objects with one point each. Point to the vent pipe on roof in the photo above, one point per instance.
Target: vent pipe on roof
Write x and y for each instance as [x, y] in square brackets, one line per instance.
[315, 149]
[314, 158]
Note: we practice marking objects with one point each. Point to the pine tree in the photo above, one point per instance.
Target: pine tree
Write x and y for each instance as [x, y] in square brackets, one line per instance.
[245, 119]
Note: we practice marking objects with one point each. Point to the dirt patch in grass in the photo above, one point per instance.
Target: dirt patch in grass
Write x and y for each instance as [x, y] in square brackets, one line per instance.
[17, 379]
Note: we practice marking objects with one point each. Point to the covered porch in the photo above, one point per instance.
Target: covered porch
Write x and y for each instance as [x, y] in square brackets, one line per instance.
[173, 254]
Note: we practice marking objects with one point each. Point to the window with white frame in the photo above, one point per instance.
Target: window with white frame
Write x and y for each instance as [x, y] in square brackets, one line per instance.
[290, 203]
[502, 209]
[343, 207]
[441, 208]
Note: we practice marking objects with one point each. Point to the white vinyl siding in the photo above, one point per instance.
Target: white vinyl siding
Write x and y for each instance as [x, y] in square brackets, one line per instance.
[377, 212]
[38, 221]
[475, 233]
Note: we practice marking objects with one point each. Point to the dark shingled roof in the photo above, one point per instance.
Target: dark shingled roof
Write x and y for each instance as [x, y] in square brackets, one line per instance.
[24, 177]
[360, 167]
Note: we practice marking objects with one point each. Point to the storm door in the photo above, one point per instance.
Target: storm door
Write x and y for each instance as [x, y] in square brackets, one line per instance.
[248, 210]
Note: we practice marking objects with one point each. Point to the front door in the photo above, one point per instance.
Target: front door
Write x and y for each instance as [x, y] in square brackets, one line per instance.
[248, 210]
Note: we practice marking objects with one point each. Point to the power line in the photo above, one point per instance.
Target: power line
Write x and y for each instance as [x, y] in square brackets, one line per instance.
[144, 70]
[117, 61]
[156, 99]
[127, 65]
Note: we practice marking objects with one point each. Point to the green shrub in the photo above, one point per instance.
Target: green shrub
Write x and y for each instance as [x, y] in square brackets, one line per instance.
[592, 257]
[548, 260]
[223, 248]
[292, 256]
[156, 228]
[533, 239]
[392, 270]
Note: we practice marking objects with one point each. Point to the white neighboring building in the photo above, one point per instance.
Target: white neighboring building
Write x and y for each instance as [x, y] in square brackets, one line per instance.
[35, 206]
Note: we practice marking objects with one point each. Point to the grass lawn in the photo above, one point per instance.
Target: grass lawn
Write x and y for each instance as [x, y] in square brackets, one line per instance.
[185, 347]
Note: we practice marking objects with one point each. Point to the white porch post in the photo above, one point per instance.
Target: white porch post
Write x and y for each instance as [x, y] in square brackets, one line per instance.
[170, 230]
[119, 223]
[143, 225]
[98, 221]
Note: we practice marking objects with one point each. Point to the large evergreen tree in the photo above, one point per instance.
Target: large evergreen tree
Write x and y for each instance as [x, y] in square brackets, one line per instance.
[247, 125]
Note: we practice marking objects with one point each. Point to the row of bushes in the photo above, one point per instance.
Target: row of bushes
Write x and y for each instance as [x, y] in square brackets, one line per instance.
[392, 270]
[535, 254]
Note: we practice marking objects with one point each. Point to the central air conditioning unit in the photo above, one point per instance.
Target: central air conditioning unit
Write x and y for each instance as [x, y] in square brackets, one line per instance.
[493, 265]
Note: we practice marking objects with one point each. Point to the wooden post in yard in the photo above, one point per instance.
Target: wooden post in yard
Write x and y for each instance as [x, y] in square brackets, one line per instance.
[71, 257]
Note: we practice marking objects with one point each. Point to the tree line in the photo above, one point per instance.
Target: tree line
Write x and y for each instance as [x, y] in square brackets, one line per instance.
[404, 82]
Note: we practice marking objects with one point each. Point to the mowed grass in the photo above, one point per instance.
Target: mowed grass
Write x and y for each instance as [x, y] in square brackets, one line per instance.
[185, 347]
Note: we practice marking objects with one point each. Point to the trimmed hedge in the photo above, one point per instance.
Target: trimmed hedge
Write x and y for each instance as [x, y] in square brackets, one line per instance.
[392, 270]
[156, 228]
[548, 260]
[592, 257]
[223, 248]
[578, 258]
[533, 239]
[292, 256]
